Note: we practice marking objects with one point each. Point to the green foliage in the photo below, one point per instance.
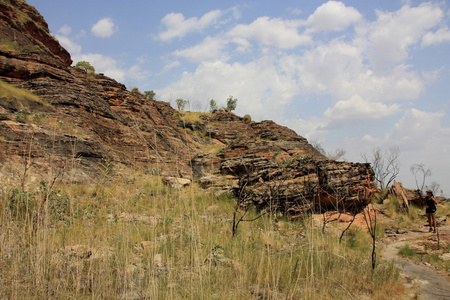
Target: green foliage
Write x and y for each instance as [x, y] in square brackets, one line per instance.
[247, 118]
[58, 203]
[407, 251]
[290, 161]
[38, 117]
[12, 46]
[231, 103]
[181, 103]
[21, 204]
[85, 66]
[21, 115]
[212, 105]
[177, 115]
[155, 171]
[150, 95]
[216, 255]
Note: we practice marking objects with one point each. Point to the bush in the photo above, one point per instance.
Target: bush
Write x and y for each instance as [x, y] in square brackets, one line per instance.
[247, 118]
[85, 66]
[136, 90]
[231, 103]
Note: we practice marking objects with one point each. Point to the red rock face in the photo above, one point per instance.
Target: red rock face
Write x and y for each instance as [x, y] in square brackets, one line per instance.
[22, 23]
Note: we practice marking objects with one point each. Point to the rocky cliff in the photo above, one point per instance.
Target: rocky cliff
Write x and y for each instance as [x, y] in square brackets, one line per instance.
[85, 124]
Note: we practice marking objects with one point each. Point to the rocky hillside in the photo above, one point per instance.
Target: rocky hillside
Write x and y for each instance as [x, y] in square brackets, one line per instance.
[83, 125]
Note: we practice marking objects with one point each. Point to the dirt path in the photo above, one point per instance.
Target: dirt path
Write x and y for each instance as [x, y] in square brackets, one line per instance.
[421, 278]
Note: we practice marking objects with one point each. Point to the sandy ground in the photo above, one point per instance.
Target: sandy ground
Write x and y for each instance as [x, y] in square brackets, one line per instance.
[422, 280]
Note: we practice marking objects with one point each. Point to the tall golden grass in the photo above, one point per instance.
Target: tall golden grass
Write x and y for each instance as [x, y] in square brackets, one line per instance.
[135, 238]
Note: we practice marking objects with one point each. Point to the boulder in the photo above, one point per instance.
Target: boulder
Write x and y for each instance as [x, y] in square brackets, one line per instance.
[176, 183]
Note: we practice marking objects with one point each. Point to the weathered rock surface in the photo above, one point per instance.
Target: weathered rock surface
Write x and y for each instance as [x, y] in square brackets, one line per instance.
[88, 124]
[90, 117]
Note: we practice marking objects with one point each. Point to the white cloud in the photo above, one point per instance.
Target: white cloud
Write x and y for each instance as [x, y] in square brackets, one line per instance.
[103, 64]
[104, 28]
[270, 32]
[258, 86]
[178, 26]
[171, 65]
[417, 127]
[392, 35]
[210, 48]
[440, 36]
[339, 69]
[355, 110]
[65, 30]
[422, 139]
[330, 68]
[136, 72]
[333, 16]
[72, 47]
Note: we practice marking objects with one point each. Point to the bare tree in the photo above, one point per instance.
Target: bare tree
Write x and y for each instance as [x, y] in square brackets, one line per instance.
[354, 211]
[244, 199]
[434, 187]
[371, 222]
[385, 164]
[336, 155]
[420, 175]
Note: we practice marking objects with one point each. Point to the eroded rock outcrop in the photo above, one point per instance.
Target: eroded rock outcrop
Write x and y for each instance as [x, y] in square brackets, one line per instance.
[270, 165]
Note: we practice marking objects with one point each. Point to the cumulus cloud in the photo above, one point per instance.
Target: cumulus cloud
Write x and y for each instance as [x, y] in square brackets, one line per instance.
[270, 32]
[68, 44]
[432, 38]
[417, 127]
[137, 73]
[177, 26]
[357, 109]
[104, 28]
[171, 65]
[65, 30]
[392, 35]
[63, 37]
[333, 16]
[243, 81]
[210, 48]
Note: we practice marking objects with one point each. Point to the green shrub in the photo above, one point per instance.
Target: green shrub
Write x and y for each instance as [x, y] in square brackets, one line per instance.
[247, 118]
[21, 115]
[85, 66]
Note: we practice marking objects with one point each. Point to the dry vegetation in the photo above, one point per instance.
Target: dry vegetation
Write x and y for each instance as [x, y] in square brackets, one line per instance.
[132, 237]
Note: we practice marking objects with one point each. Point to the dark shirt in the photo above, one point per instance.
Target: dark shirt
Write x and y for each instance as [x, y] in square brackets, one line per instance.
[431, 205]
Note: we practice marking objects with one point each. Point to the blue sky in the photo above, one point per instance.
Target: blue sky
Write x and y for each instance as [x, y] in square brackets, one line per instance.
[346, 74]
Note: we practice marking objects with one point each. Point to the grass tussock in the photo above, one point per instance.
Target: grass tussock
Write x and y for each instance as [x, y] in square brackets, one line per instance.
[193, 117]
[137, 238]
[20, 98]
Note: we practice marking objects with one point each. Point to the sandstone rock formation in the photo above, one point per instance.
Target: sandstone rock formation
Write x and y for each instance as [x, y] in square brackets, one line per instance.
[87, 124]
[270, 165]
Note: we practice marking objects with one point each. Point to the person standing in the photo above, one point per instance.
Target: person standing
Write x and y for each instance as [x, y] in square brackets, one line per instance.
[430, 210]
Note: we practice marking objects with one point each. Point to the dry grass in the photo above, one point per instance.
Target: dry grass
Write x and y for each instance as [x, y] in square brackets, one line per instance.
[19, 96]
[136, 238]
